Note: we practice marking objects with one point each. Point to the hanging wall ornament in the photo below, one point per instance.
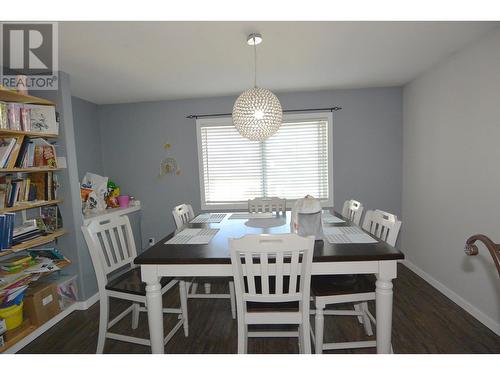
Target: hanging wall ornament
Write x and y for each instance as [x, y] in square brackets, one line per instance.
[169, 164]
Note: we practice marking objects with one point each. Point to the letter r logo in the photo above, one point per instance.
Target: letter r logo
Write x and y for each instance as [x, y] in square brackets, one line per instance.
[27, 48]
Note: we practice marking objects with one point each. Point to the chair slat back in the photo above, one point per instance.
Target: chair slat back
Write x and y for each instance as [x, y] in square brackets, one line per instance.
[111, 245]
[272, 268]
[353, 210]
[382, 225]
[267, 204]
[183, 214]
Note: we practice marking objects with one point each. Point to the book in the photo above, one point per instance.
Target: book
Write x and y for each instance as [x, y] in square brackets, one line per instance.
[51, 218]
[26, 227]
[27, 190]
[27, 236]
[10, 221]
[44, 154]
[2, 232]
[4, 120]
[39, 181]
[43, 119]
[22, 152]
[14, 116]
[25, 118]
[17, 260]
[9, 158]
[6, 147]
[7, 228]
[17, 263]
[3, 191]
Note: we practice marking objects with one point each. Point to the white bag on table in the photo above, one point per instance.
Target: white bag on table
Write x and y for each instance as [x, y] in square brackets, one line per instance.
[306, 217]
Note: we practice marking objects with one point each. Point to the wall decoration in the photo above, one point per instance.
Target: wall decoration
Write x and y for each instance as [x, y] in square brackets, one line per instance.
[169, 164]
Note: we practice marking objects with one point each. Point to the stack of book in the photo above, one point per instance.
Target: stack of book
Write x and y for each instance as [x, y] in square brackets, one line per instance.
[17, 264]
[38, 186]
[6, 230]
[24, 152]
[28, 231]
[9, 149]
[28, 118]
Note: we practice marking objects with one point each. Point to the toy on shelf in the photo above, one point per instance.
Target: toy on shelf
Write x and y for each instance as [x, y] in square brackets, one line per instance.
[112, 195]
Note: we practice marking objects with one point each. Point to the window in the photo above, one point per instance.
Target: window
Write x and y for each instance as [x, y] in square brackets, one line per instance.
[294, 162]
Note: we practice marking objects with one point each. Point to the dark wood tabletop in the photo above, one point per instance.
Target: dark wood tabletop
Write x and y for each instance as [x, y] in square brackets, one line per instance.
[217, 251]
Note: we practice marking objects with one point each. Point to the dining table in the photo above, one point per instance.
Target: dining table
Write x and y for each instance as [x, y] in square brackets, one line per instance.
[214, 260]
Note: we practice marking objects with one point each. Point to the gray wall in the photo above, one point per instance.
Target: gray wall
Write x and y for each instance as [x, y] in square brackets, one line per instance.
[72, 244]
[87, 136]
[451, 179]
[88, 159]
[367, 149]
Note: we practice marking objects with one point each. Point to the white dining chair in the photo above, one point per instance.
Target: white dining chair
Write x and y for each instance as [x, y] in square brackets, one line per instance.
[267, 204]
[357, 289]
[112, 250]
[183, 214]
[353, 210]
[272, 275]
[382, 225]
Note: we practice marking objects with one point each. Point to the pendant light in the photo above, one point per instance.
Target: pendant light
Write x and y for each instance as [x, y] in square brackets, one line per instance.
[257, 113]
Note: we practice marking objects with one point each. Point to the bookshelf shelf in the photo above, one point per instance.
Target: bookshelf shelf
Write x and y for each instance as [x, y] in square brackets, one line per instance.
[5, 252]
[28, 170]
[5, 132]
[15, 97]
[42, 240]
[18, 334]
[28, 206]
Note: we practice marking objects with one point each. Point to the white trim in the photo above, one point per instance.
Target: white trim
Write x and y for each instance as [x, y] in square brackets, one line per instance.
[79, 305]
[84, 305]
[227, 121]
[472, 310]
[109, 213]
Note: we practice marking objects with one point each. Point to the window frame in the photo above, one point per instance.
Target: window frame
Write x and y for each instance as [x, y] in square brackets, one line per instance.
[287, 117]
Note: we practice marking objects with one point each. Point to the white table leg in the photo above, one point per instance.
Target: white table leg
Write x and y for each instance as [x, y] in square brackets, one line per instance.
[155, 308]
[383, 293]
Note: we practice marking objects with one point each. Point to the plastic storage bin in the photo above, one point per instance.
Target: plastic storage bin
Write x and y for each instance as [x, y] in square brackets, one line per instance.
[13, 316]
[67, 291]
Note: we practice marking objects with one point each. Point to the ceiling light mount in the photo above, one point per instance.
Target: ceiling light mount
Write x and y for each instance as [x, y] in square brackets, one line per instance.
[254, 39]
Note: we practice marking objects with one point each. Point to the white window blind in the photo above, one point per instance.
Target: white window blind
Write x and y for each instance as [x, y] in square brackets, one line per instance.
[291, 164]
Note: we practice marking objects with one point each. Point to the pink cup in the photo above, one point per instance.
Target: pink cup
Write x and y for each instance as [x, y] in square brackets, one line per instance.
[123, 201]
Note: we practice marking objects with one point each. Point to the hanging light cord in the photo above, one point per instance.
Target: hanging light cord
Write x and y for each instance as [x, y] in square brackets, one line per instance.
[254, 62]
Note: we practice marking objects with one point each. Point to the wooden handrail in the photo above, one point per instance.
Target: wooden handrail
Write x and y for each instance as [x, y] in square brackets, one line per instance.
[494, 248]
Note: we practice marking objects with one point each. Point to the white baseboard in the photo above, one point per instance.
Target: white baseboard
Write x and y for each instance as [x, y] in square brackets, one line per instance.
[479, 315]
[84, 305]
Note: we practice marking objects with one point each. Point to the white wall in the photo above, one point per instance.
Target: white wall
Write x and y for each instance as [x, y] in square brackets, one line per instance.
[451, 175]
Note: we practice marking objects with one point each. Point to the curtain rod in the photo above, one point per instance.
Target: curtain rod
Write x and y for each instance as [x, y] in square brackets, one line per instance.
[329, 109]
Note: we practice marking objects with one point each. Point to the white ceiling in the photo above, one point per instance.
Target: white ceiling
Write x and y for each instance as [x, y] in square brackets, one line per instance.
[117, 62]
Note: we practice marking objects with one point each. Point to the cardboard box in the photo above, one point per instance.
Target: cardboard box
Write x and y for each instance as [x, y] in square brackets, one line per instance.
[41, 302]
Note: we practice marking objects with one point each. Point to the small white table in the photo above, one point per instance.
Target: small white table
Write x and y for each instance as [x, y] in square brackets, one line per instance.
[379, 259]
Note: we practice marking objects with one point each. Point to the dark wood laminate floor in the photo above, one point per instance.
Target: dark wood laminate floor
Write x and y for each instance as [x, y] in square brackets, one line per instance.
[424, 321]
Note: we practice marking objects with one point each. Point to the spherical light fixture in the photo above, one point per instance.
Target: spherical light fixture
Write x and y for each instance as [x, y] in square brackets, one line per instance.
[257, 113]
